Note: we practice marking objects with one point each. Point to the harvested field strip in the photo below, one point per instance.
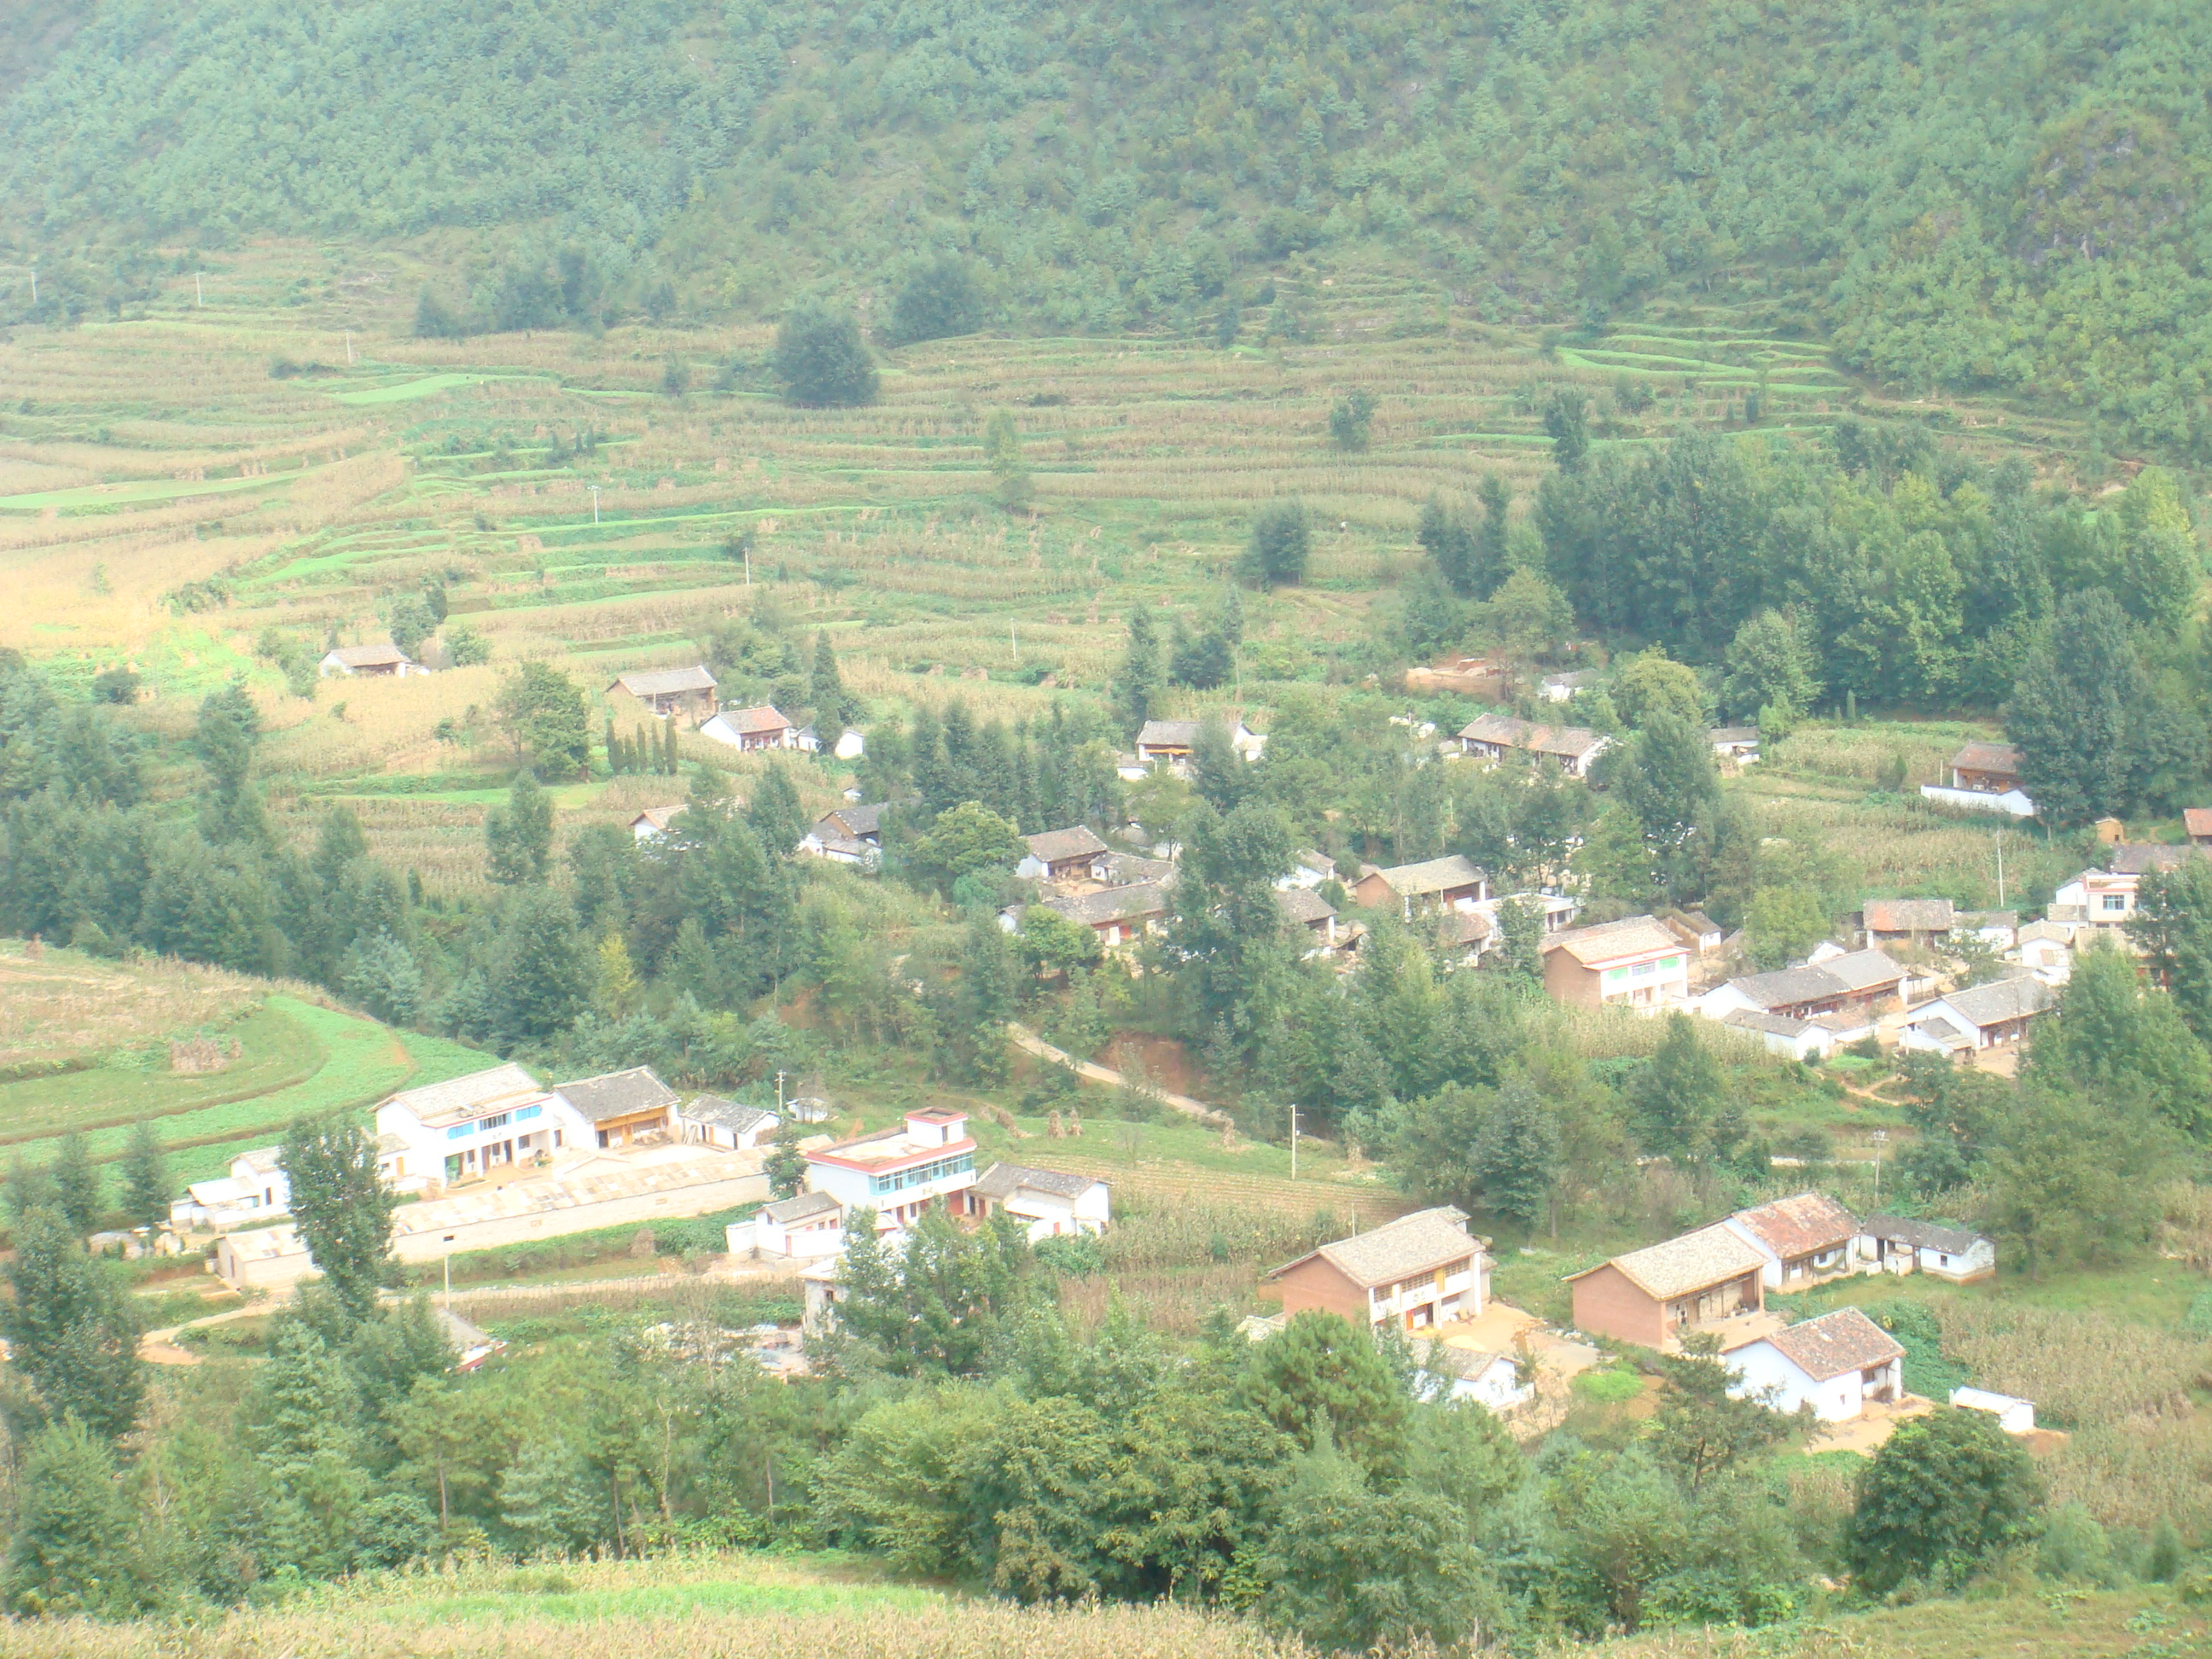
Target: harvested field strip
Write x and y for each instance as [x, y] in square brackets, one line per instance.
[1365, 1205]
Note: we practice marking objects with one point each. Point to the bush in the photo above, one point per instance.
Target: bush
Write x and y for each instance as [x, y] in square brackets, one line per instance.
[937, 300]
[1281, 543]
[822, 361]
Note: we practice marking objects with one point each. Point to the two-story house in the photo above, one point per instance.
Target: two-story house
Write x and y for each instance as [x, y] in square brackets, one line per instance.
[899, 1173]
[1414, 1273]
[451, 1131]
[1638, 963]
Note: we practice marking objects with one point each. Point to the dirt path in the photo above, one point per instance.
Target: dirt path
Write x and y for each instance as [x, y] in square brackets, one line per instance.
[162, 1348]
[1029, 1043]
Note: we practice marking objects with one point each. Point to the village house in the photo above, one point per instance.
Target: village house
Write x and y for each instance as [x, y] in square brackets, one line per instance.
[1492, 736]
[1129, 869]
[1911, 922]
[255, 1190]
[385, 661]
[1695, 929]
[1051, 1204]
[620, 1108]
[1305, 908]
[1174, 740]
[1998, 929]
[1414, 1273]
[1451, 1372]
[654, 822]
[451, 1131]
[712, 1120]
[1892, 1244]
[1652, 1295]
[852, 834]
[1859, 983]
[1452, 882]
[1804, 1239]
[2104, 899]
[2046, 949]
[1561, 687]
[1836, 1365]
[1799, 1039]
[1981, 1017]
[1983, 777]
[1739, 744]
[749, 729]
[2197, 823]
[680, 693]
[804, 1227]
[899, 1173]
[1636, 963]
[1073, 855]
[1119, 916]
[1309, 869]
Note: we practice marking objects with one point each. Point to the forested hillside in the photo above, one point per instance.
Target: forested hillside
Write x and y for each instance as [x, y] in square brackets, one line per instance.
[1970, 193]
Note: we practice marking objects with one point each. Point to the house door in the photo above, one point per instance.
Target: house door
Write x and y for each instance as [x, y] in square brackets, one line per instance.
[453, 1167]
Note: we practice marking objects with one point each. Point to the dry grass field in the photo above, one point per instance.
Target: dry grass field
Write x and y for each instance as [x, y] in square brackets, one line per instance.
[58, 1007]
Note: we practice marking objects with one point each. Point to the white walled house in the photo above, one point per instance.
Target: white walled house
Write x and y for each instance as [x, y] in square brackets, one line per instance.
[1451, 1372]
[1802, 1239]
[804, 1227]
[2014, 1414]
[1837, 1365]
[385, 661]
[1892, 1244]
[616, 1109]
[1053, 1205]
[899, 1173]
[654, 822]
[256, 1189]
[449, 1131]
[1981, 1017]
[711, 1120]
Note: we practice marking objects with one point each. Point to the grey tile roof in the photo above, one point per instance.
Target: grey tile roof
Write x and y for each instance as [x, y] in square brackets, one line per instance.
[1758, 1019]
[1863, 970]
[726, 1114]
[1604, 941]
[1845, 1340]
[1056, 846]
[616, 1094]
[1508, 732]
[1987, 757]
[1434, 875]
[1933, 916]
[1146, 898]
[1398, 1249]
[863, 820]
[1303, 905]
[1002, 1180]
[368, 656]
[1694, 1262]
[2000, 1000]
[1920, 1235]
[1169, 734]
[799, 1207]
[659, 682]
[1128, 869]
[2143, 858]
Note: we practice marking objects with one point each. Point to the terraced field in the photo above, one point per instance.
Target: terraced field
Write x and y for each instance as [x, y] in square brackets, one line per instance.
[285, 456]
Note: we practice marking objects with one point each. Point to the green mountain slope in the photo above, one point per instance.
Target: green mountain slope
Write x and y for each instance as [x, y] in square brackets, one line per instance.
[1972, 193]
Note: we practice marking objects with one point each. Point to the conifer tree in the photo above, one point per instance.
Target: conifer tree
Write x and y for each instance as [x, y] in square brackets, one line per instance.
[147, 1188]
[75, 1546]
[70, 1331]
[1137, 687]
[341, 1208]
[76, 1185]
[519, 835]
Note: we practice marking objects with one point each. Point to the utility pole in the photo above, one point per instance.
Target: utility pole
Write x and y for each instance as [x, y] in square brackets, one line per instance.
[594, 489]
[749, 574]
[2000, 898]
[1014, 640]
[349, 334]
[199, 293]
[1294, 1140]
[449, 1273]
[778, 1094]
[34, 285]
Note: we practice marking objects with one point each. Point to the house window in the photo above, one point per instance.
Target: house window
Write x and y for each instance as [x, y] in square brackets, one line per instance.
[528, 1112]
[900, 1180]
[2116, 901]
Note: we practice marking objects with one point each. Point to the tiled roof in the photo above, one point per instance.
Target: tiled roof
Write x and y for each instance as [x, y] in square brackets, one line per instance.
[659, 682]
[1433, 875]
[2000, 1000]
[1920, 1235]
[2196, 820]
[1807, 1223]
[1695, 1262]
[2141, 858]
[1303, 906]
[1002, 1180]
[369, 656]
[760, 723]
[1987, 757]
[1845, 1340]
[1398, 1249]
[1146, 898]
[863, 820]
[1733, 734]
[1127, 869]
[1863, 970]
[726, 1114]
[616, 1094]
[799, 1207]
[658, 817]
[1508, 732]
[1909, 916]
[1609, 940]
[1787, 987]
[1758, 1019]
[1055, 846]
[1178, 734]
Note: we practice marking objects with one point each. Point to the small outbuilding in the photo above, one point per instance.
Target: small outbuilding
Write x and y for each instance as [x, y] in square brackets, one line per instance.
[1052, 1203]
[2014, 1415]
[1892, 1244]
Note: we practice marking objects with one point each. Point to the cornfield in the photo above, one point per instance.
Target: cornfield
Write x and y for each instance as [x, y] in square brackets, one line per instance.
[2083, 1371]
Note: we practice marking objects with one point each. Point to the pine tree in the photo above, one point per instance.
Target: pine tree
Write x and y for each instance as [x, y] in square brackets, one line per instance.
[76, 1185]
[341, 1208]
[541, 976]
[308, 1444]
[1281, 546]
[147, 1188]
[70, 1330]
[2077, 712]
[614, 750]
[1516, 1155]
[776, 814]
[1676, 1094]
[833, 709]
[75, 1546]
[1137, 688]
[519, 836]
[671, 763]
